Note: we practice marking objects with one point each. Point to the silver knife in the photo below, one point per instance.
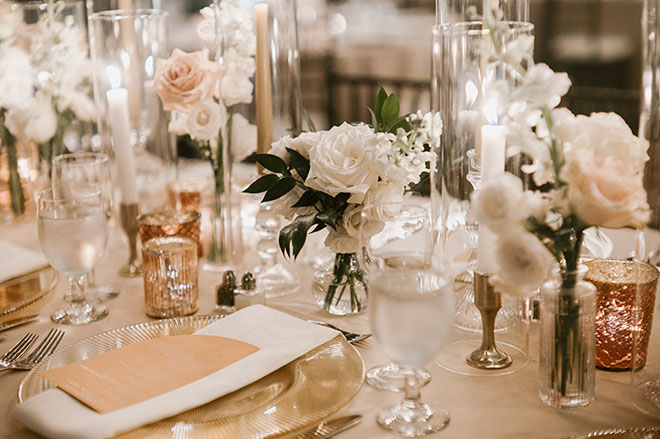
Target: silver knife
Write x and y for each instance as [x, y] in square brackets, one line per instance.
[328, 429]
[16, 322]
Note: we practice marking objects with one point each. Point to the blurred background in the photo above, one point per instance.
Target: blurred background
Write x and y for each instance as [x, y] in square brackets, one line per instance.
[348, 47]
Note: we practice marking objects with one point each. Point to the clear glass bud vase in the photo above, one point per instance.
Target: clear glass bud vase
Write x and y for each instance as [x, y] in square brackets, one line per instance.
[568, 340]
[340, 287]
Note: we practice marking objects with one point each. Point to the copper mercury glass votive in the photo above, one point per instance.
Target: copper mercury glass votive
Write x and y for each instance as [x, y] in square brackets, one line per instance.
[616, 282]
[184, 223]
[169, 270]
[186, 194]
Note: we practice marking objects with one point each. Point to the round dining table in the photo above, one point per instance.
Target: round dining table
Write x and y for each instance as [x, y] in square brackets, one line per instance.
[506, 406]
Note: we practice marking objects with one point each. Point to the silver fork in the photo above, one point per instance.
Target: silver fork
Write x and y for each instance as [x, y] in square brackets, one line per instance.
[45, 348]
[17, 351]
[351, 337]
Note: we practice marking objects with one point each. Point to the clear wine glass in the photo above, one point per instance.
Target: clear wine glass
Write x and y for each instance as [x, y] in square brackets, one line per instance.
[73, 233]
[81, 169]
[411, 312]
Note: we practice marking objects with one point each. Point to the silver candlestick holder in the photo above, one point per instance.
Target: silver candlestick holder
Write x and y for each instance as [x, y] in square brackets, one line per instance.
[128, 214]
[488, 302]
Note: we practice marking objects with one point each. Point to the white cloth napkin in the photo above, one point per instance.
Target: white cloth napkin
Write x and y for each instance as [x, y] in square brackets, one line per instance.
[17, 261]
[279, 337]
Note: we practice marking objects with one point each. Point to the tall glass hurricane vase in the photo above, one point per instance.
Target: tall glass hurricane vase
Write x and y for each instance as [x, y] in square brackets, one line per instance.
[645, 380]
[125, 45]
[463, 92]
[568, 340]
[453, 11]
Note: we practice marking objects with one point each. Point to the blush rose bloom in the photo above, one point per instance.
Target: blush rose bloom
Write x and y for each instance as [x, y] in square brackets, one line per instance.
[348, 159]
[523, 263]
[604, 192]
[184, 79]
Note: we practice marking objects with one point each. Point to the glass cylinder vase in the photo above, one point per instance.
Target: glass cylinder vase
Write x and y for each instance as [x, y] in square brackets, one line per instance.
[340, 286]
[568, 340]
[463, 93]
[125, 46]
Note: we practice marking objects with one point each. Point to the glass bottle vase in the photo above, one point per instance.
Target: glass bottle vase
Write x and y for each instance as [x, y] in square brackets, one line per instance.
[568, 340]
[340, 287]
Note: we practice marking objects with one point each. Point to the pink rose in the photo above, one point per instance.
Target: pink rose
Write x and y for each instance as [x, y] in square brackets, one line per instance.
[184, 79]
[605, 192]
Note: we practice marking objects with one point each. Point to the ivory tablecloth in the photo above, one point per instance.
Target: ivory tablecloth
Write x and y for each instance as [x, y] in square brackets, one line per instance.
[480, 407]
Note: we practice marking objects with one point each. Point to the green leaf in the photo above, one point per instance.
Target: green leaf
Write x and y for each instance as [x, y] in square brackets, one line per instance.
[380, 100]
[390, 109]
[309, 198]
[340, 201]
[272, 162]
[399, 122]
[263, 184]
[285, 239]
[329, 217]
[374, 119]
[318, 228]
[299, 236]
[299, 163]
[282, 187]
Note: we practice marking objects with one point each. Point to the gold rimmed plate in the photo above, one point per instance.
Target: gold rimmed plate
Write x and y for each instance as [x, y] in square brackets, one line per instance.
[300, 394]
[25, 295]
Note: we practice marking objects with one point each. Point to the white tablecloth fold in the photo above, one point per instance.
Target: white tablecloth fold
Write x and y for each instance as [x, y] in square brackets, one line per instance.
[279, 337]
[17, 261]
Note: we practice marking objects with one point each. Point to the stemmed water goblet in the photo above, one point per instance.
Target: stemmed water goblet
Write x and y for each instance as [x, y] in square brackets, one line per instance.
[82, 169]
[410, 217]
[411, 313]
[73, 233]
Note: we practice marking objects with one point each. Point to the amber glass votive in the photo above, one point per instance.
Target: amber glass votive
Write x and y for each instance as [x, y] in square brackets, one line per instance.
[184, 223]
[169, 269]
[186, 194]
[616, 282]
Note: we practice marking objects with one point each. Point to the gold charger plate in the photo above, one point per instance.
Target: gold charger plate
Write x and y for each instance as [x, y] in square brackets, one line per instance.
[25, 295]
[300, 394]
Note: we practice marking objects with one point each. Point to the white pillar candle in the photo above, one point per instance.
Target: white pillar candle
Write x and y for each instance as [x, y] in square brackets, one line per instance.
[492, 164]
[118, 119]
[264, 96]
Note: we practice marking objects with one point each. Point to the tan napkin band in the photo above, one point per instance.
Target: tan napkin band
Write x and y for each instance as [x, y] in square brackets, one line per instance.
[143, 370]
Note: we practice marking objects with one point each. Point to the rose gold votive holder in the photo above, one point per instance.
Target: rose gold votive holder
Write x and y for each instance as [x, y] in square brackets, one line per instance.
[616, 282]
[184, 223]
[186, 194]
[169, 269]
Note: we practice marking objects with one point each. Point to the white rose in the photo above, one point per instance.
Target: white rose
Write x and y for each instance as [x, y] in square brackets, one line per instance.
[35, 119]
[358, 225]
[302, 144]
[348, 159]
[605, 192]
[243, 138]
[16, 77]
[178, 123]
[236, 89]
[205, 120]
[523, 263]
[338, 241]
[383, 202]
[500, 203]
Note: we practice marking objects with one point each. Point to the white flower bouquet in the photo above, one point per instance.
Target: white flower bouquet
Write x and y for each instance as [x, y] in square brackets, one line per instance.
[345, 179]
[45, 84]
[587, 171]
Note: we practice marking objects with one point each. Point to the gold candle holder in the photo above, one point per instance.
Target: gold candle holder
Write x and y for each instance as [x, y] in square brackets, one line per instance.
[184, 223]
[616, 282]
[170, 277]
[128, 219]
